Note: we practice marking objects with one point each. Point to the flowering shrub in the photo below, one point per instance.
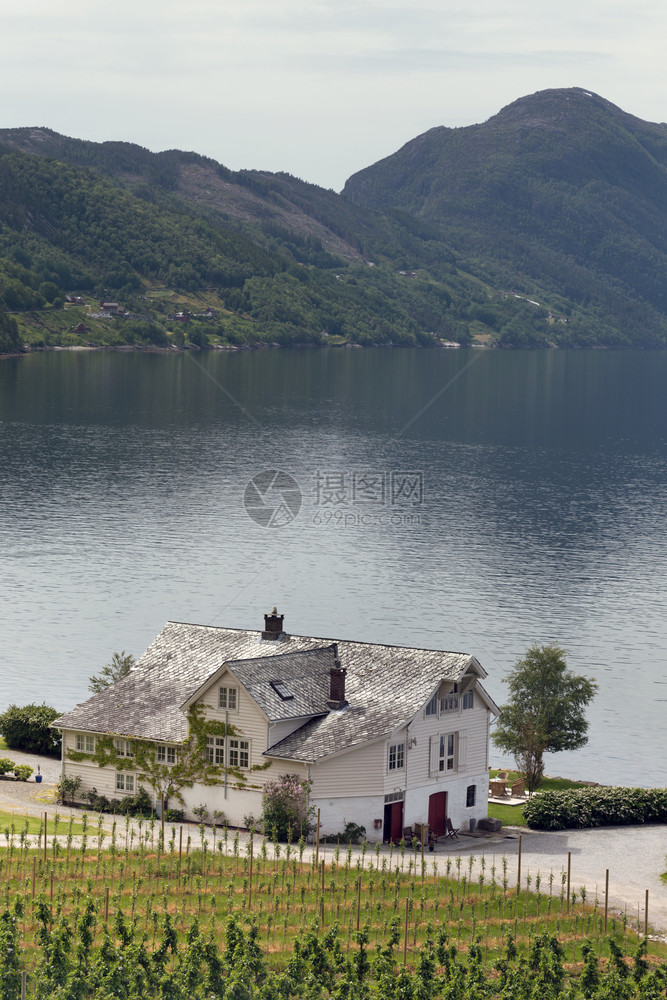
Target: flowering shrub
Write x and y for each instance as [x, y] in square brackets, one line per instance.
[285, 807]
[579, 808]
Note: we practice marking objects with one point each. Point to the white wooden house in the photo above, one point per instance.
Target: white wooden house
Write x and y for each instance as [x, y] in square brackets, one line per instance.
[388, 735]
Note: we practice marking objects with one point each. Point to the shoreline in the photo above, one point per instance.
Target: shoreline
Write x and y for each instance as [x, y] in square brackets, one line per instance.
[27, 350]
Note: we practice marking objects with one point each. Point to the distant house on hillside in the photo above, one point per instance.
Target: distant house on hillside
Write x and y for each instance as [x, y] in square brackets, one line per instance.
[388, 735]
[111, 308]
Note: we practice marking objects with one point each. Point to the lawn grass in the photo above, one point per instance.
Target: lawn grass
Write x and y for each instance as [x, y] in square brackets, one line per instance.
[513, 815]
[32, 825]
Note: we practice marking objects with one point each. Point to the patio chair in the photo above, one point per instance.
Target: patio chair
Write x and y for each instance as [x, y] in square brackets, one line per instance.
[518, 789]
[502, 776]
[408, 835]
[450, 831]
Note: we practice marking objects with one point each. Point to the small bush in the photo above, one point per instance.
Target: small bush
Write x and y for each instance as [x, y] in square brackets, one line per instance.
[582, 808]
[352, 834]
[66, 788]
[28, 728]
[285, 807]
[130, 805]
[6, 765]
[22, 771]
[174, 815]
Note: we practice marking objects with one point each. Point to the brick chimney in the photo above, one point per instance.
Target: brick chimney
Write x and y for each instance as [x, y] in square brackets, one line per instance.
[336, 699]
[273, 625]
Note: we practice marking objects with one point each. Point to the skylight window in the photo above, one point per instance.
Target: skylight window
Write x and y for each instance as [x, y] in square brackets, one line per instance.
[281, 690]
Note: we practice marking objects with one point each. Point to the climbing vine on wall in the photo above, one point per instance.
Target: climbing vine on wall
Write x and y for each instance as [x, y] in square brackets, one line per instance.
[191, 765]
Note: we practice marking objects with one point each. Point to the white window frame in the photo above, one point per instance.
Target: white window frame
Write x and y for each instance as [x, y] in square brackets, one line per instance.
[85, 743]
[442, 762]
[125, 782]
[228, 698]
[236, 750]
[124, 748]
[447, 753]
[468, 699]
[215, 750]
[431, 709]
[165, 754]
[396, 757]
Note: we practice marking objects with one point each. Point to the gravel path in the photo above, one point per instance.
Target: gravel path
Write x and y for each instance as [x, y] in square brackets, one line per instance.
[634, 855]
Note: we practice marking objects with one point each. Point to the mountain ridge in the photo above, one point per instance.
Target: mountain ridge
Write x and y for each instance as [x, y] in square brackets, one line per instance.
[558, 200]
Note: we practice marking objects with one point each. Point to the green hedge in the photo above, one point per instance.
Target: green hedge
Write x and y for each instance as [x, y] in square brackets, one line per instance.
[580, 808]
[28, 728]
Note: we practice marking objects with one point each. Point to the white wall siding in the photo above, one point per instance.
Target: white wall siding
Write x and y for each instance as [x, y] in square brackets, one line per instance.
[363, 810]
[357, 772]
[251, 724]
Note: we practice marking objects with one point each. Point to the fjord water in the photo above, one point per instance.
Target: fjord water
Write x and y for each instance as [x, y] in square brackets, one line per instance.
[466, 500]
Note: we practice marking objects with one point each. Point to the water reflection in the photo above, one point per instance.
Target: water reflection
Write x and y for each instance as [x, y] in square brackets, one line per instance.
[122, 481]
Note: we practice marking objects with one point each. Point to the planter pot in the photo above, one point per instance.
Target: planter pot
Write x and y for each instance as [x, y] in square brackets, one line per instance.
[38, 778]
[473, 825]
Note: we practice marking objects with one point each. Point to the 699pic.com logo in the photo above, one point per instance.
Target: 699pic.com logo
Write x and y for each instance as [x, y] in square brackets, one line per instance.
[272, 498]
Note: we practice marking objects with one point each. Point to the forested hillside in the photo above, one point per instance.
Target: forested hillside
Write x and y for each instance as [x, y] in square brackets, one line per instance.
[544, 225]
[561, 193]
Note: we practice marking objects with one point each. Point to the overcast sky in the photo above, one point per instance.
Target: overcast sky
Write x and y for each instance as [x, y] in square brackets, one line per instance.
[314, 87]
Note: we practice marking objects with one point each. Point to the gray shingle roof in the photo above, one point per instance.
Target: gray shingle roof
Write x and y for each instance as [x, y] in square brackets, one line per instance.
[385, 686]
[305, 675]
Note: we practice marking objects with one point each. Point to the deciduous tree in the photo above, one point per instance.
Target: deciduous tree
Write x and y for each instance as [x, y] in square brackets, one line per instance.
[545, 713]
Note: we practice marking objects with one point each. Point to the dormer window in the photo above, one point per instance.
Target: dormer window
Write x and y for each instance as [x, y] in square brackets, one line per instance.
[281, 690]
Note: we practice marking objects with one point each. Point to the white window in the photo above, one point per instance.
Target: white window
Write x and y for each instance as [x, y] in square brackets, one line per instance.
[396, 756]
[124, 748]
[468, 700]
[447, 755]
[227, 698]
[215, 750]
[124, 782]
[432, 707]
[166, 755]
[239, 753]
[85, 743]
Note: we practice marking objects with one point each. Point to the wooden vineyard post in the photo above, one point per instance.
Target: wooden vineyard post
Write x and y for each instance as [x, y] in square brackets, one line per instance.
[606, 898]
[46, 820]
[569, 872]
[162, 820]
[358, 900]
[322, 899]
[317, 840]
[24, 977]
[405, 935]
[518, 867]
[34, 873]
[423, 826]
[250, 877]
[106, 905]
[180, 849]
[646, 915]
